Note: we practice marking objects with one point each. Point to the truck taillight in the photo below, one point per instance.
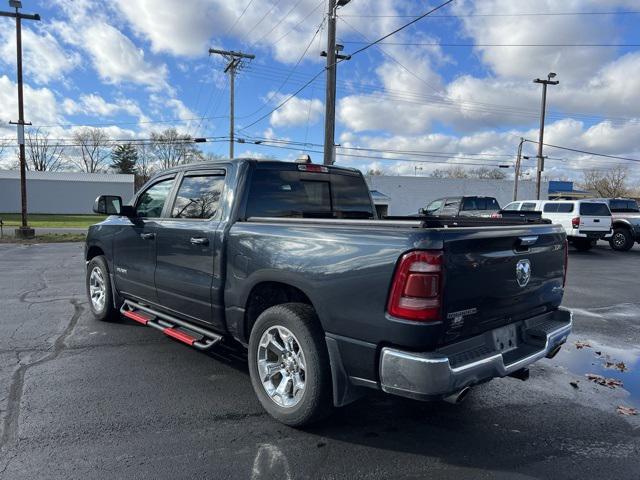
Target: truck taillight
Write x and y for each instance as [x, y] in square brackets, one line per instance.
[416, 290]
[566, 262]
[575, 222]
[496, 215]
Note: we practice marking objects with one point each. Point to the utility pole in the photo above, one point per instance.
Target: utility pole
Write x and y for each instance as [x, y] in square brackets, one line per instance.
[24, 231]
[235, 61]
[517, 177]
[540, 169]
[333, 56]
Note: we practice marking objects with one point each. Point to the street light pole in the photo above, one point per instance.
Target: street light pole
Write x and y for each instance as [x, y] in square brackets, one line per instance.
[517, 177]
[24, 231]
[415, 170]
[543, 108]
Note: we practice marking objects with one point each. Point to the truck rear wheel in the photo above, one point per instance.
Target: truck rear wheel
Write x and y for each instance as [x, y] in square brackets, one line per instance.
[583, 244]
[99, 290]
[621, 240]
[289, 364]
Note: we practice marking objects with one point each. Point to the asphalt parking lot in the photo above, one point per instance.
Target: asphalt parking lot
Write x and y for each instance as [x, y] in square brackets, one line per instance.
[84, 399]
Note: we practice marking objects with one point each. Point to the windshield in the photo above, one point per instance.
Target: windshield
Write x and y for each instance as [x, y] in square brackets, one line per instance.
[293, 193]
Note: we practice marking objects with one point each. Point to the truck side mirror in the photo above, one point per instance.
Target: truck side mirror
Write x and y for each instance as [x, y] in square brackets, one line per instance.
[108, 205]
[422, 211]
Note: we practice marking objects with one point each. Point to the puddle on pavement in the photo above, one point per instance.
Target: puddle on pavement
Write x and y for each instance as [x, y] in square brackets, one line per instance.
[608, 362]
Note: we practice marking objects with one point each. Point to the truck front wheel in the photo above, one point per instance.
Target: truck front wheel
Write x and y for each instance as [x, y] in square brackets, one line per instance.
[289, 364]
[99, 290]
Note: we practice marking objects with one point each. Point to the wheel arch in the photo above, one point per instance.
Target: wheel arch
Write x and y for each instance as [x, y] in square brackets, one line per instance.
[266, 294]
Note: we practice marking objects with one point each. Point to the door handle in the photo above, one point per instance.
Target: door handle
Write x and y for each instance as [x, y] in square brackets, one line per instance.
[147, 236]
[596, 220]
[199, 241]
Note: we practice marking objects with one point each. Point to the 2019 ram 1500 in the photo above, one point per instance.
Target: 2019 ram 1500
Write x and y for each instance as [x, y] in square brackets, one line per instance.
[290, 260]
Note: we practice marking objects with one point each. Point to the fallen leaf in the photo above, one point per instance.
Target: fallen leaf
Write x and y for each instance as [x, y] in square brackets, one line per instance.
[580, 345]
[605, 382]
[574, 384]
[598, 353]
[622, 410]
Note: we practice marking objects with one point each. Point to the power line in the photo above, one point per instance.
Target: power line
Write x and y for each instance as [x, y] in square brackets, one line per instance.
[520, 14]
[282, 18]
[402, 27]
[285, 101]
[391, 57]
[230, 29]
[289, 74]
[435, 44]
[587, 152]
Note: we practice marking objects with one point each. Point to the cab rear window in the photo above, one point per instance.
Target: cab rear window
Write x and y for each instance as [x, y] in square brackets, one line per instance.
[595, 209]
[294, 193]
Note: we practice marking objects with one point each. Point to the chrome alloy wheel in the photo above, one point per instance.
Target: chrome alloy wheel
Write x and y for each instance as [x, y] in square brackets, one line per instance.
[97, 289]
[281, 366]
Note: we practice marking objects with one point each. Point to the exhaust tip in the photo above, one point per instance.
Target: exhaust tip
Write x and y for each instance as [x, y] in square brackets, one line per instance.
[458, 397]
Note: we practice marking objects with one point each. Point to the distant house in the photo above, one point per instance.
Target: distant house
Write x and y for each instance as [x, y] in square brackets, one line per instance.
[61, 192]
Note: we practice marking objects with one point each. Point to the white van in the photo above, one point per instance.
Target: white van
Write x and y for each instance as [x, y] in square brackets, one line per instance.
[585, 221]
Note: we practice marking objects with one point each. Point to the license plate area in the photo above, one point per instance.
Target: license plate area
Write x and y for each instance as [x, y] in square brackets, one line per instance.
[505, 338]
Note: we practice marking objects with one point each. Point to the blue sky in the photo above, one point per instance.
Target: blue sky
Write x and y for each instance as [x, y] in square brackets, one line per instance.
[137, 66]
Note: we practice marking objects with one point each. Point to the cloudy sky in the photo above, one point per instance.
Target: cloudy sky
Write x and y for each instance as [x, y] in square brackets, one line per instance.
[456, 86]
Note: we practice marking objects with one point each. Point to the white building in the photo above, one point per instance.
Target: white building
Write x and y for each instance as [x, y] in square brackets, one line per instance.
[61, 192]
[406, 195]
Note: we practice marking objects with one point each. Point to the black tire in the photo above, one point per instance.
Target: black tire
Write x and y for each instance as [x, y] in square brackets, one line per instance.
[621, 240]
[315, 402]
[583, 245]
[108, 312]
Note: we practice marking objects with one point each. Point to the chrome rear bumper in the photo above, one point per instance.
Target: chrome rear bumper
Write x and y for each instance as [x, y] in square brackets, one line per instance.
[434, 375]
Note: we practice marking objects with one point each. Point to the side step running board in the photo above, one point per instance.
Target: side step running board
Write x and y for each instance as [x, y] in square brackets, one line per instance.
[169, 325]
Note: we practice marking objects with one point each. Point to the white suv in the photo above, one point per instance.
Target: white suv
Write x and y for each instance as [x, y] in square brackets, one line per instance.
[585, 221]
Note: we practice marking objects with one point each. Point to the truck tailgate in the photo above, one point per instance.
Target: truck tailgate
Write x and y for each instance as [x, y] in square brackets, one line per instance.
[493, 277]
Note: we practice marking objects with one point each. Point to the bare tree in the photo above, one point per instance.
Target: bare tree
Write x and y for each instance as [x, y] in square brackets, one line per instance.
[41, 154]
[146, 164]
[487, 173]
[172, 148]
[93, 149]
[607, 183]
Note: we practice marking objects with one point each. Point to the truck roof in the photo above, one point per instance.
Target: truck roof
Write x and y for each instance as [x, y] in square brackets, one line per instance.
[226, 161]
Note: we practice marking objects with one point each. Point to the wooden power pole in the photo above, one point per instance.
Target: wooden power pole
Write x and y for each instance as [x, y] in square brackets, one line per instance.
[24, 231]
[235, 61]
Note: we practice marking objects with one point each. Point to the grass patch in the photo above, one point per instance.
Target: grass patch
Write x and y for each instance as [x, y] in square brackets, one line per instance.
[51, 221]
[47, 238]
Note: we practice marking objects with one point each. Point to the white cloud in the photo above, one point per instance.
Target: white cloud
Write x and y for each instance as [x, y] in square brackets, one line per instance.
[43, 57]
[297, 111]
[499, 147]
[574, 63]
[117, 59]
[40, 105]
[95, 105]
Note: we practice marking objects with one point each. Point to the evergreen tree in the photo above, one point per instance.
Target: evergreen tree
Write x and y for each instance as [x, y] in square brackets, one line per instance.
[124, 158]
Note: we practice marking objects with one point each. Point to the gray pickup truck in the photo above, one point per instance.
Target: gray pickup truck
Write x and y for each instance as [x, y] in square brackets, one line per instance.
[290, 260]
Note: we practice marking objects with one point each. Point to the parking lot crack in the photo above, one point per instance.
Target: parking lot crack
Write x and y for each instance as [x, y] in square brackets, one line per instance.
[10, 424]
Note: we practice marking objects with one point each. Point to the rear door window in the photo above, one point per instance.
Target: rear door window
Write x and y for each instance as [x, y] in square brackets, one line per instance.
[594, 209]
[550, 207]
[528, 207]
[470, 203]
[565, 207]
[512, 207]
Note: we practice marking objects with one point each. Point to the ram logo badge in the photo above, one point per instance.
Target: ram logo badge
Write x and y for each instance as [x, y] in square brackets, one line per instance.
[523, 272]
